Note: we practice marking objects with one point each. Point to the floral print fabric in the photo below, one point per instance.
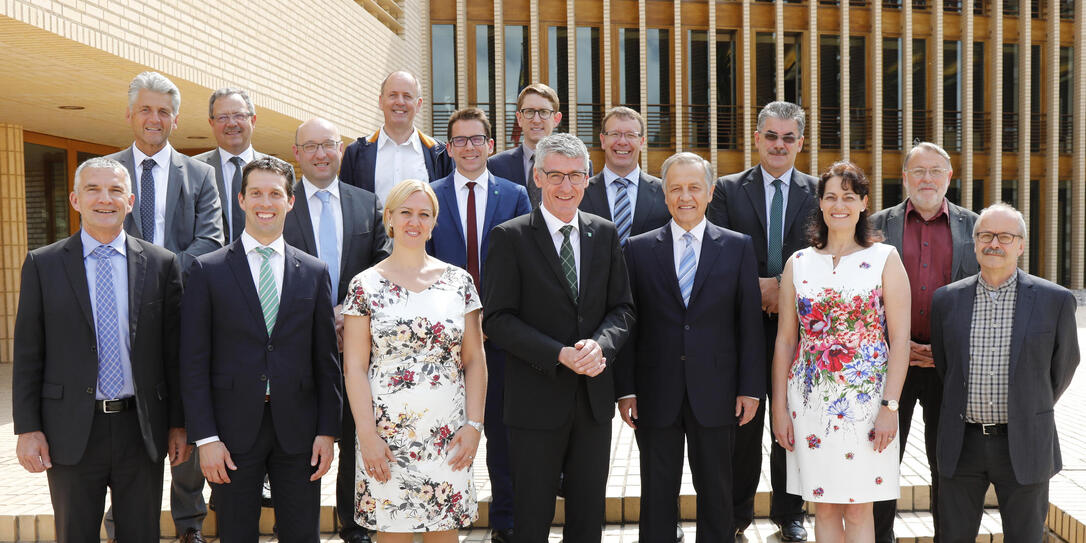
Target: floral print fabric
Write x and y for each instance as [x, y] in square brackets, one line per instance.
[417, 381]
[836, 380]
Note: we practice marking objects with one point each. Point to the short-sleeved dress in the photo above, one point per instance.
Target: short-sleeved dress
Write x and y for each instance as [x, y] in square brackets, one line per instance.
[836, 382]
[417, 381]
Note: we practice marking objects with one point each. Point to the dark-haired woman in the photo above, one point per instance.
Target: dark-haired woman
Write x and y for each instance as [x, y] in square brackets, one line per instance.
[845, 304]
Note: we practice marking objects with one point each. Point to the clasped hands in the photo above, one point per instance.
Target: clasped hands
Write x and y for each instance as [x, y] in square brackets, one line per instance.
[584, 357]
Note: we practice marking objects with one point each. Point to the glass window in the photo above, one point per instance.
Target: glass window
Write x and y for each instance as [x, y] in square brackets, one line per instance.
[766, 68]
[829, 63]
[978, 195]
[1063, 229]
[658, 117]
[443, 77]
[893, 193]
[727, 112]
[517, 76]
[47, 190]
[858, 120]
[1010, 97]
[981, 121]
[1038, 120]
[921, 124]
[629, 68]
[589, 106]
[891, 93]
[697, 89]
[1066, 98]
[558, 69]
[951, 96]
[484, 75]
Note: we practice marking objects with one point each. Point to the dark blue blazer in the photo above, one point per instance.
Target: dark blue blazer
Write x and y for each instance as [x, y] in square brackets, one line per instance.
[708, 352]
[509, 164]
[227, 356]
[650, 209]
[505, 201]
[360, 160]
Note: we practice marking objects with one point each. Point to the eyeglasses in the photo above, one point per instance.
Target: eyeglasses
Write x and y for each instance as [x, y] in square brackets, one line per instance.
[556, 178]
[461, 141]
[236, 117]
[1005, 238]
[328, 146]
[628, 136]
[931, 173]
[788, 139]
[543, 114]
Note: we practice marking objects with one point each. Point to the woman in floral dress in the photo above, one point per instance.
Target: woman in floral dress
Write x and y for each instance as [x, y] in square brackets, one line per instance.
[845, 305]
[416, 379]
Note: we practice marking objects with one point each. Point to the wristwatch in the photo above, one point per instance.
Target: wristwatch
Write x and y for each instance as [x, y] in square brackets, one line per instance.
[477, 425]
[890, 404]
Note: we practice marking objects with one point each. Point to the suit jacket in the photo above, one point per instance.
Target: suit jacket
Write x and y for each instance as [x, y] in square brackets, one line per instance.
[650, 210]
[228, 358]
[505, 201]
[360, 160]
[708, 352]
[193, 211]
[364, 239]
[214, 159]
[1044, 354]
[529, 312]
[55, 375]
[891, 221]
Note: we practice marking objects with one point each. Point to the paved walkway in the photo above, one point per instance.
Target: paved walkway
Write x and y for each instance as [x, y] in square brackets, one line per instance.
[26, 514]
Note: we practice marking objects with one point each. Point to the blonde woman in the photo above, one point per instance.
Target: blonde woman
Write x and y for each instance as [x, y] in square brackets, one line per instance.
[416, 380]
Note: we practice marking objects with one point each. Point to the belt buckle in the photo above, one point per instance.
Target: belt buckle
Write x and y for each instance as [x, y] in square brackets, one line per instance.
[108, 410]
[984, 429]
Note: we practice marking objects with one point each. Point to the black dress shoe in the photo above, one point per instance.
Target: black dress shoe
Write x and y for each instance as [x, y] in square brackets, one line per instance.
[792, 530]
[501, 536]
[678, 532]
[739, 537]
[266, 495]
[192, 536]
[358, 538]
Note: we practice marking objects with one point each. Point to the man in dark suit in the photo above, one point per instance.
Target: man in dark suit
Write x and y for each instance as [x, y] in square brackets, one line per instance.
[557, 300]
[473, 202]
[1006, 346]
[95, 389]
[698, 367]
[342, 225]
[622, 193]
[398, 150]
[935, 240]
[537, 117]
[260, 375]
[771, 203]
[177, 205]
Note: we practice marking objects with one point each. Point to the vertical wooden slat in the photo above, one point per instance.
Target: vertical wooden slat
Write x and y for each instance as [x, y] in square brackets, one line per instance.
[966, 68]
[499, 76]
[1078, 155]
[607, 61]
[571, 65]
[643, 39]
[748, 96]
[811, 141]
[993, 187]
[713, 103]
[1025, 115]
[534, 30]
[846, 98]
[907, 76]
[1051, 184]
[877, 175]
[778, 46]
[462, 98]
[677, 57]
[940, 68]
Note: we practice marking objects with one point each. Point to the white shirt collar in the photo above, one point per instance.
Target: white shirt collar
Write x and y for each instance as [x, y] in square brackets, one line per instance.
[311, 189]
[460, 180]
[698, 231]
[786, 178]
[90, 244]
[246, 155]
[632, 177]
[413, 140]
[554, 224]
[248, 242]
[161, 158]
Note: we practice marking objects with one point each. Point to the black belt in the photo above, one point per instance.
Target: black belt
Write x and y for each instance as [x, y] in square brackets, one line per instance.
[989, 429]
[114, 406]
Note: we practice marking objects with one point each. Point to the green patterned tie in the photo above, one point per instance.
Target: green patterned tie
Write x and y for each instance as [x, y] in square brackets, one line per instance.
[776, 231]
[569, 265]
[269, 297]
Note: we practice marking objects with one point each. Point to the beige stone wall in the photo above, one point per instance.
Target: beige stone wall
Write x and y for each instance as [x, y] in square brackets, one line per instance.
[12, 231]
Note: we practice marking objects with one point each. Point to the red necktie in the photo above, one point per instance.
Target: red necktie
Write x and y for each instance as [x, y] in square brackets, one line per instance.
[472, 236]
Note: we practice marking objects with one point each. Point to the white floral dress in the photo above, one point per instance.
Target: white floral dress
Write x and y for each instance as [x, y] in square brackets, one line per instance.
[417, 380]
[836, 381]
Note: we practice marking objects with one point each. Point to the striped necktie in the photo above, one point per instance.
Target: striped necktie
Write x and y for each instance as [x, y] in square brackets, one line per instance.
[688, 264]
[269, 295]
[623, 210]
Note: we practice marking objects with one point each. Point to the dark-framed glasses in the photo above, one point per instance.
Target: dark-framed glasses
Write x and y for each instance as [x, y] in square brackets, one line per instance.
[328, 146]
[576, 178]
[543, 114]
[1005, 238]
[628, 136]
[236, 117]
[461, 141]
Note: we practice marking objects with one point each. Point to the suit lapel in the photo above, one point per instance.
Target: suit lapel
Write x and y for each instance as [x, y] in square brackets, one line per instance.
[588, 246]
[796, 195]
[895, 226]
[292, 267]
[958, 232]
[239, 265]
[756, 192]
[448, 201]
[369, 158]
[305, 220]
[967, 297]
[348, 209]
[546, 247]
[664, 249]
[596, 192]
[132, 222]
[710, 249]
[646, 199]
[137, 274]
[214, 159]
[1022, 312]
[173, 193]
[492, 203]
[518, 154]
[77, 275]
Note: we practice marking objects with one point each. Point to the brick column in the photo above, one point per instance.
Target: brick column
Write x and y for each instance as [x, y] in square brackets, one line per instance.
[966, 69]
[713, 118]
[876, 173]
[846, 98]
[1025, 115]
[811, 142]
[12, 231]
[1050, 185]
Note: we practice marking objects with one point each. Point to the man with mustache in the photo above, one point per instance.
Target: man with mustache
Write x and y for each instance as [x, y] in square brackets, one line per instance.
[1006, 346]
[934, 239]
[771, 203]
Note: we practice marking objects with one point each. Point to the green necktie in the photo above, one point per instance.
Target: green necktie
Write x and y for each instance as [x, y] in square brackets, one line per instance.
[569, 265]
[269, 297]
[776, 231]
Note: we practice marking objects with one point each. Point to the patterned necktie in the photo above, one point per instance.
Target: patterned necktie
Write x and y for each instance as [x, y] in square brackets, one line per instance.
[147, 201]
[534, 192]
[472, 236]
[328, 245]
[623, 211]
[776, 231]
[110, 375]
[687, 266]
[237, 216]
[569, 265]
[269, 296]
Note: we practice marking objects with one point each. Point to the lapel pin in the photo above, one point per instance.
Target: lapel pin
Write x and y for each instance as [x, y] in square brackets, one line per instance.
[589, 234]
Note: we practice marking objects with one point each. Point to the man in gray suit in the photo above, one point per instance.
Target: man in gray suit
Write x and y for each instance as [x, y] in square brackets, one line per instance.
[1006, 346]
[935, 240]
[176, 207]
[232, 118]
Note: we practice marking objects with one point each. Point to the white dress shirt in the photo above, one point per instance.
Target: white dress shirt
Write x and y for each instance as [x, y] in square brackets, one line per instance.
[554, 224]
[161, 174]
[277, 261]
[315, 205]
[609, 179]
[396, 162]
[482, 184]
[246, 157]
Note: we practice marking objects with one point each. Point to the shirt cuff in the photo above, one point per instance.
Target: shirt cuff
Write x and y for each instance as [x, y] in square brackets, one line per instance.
[627, 396]
[751, 397]
[206, 440]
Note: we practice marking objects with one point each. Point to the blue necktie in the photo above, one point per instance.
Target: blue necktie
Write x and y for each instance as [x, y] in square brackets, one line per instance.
[110, 375]
[623, 211]
[687, 266]
[327, 244]
[776, 231]
[147, 201]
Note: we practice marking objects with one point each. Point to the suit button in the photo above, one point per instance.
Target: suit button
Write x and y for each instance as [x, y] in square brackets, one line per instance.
[686, 327]
[271, 347]
[263, 377]
[94, 348]
[90, 390]
[683, 357]
[580, 319]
